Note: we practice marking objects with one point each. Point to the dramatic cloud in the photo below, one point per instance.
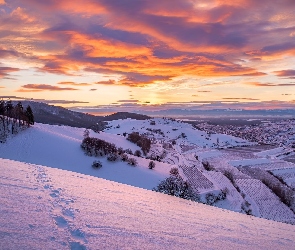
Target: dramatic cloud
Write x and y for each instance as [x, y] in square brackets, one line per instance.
[147, 44]
[42, 87]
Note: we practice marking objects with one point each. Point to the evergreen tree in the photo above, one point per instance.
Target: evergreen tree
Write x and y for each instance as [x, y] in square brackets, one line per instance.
[19, 110]
[9, 108]
[30, 115]
[2, 107]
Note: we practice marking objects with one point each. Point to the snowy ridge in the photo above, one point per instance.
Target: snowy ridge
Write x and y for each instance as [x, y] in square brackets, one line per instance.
[46, 208]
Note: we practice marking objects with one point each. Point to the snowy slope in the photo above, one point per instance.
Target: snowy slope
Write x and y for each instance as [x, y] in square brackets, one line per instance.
[173, 130]
[59, 147]
[46, 208]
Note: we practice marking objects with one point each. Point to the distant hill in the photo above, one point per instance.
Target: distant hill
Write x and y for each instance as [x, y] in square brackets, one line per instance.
[55, 115]
[125, 115]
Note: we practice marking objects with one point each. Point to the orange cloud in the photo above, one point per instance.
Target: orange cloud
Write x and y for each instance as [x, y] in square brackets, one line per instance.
[145, 42]
[102, 47]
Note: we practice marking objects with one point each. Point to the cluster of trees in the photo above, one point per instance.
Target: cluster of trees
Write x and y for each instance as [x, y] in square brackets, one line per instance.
[13, 118]
[174, 185]
[97, 147]
[140, 140]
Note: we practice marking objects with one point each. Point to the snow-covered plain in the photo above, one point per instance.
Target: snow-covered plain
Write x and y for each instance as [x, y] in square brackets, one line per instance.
[48, 208]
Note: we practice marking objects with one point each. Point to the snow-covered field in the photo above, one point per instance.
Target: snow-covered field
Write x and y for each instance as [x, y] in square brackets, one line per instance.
[59, 147]
[48, 208]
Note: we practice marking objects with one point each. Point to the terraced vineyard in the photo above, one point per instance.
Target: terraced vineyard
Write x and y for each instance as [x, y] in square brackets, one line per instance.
[269, 205]
[233, 196]
[275, 165]
[197, 180]
[288, 176]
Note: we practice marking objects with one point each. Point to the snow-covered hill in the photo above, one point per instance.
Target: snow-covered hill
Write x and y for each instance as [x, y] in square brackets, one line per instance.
[59, 147]
[165, 129]
[175, 144]
[46, 208]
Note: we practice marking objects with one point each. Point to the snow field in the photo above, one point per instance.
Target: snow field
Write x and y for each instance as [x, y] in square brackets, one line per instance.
[59, 147]
[47, 208]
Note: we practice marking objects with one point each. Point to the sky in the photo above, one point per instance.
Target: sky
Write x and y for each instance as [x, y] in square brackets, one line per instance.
[148, 54]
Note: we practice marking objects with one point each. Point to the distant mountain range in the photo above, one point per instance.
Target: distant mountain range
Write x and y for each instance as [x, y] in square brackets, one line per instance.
[194, 113]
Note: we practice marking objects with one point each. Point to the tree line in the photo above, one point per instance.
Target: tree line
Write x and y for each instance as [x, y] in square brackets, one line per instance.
[14, 118]
[140, 140]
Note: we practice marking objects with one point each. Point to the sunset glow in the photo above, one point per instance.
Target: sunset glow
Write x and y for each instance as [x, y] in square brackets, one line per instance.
[148, 54]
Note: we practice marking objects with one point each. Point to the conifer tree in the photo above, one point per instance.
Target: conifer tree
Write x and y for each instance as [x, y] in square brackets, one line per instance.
[30, 115]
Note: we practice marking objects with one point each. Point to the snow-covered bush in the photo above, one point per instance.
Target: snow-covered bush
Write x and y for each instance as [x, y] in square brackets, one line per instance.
[112, 157]
[207, 166]
[174, 185]
[152, 165]
[152, 123]
[120, 151]
[212, 198]
[174, 171]
[128, 151]
[96, 164]
[124, 157]
[137, 153]
[86, 133]
[132, 161]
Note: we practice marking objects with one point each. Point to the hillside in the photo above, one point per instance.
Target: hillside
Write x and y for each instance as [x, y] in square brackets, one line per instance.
[55, 115]
[222, 170]
[59, 147]
[45, 208]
